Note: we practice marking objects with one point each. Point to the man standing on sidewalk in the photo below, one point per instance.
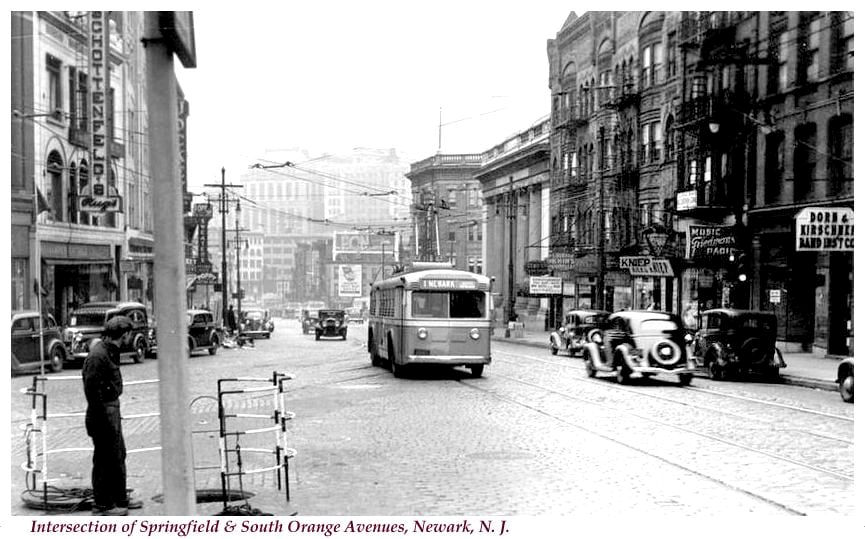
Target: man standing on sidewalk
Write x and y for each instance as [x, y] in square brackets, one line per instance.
[103, 385]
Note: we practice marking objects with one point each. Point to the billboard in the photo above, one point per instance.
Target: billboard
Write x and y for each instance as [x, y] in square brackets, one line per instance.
[349, 280]
[363, 243]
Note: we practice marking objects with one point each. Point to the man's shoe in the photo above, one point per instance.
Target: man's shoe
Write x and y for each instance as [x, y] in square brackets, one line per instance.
[134, 503]
[112, 512]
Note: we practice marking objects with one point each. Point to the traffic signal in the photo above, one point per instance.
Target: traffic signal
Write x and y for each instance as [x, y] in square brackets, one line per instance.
[741, 267]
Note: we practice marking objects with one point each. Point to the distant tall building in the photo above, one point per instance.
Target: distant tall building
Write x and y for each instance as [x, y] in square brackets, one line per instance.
[297, 207]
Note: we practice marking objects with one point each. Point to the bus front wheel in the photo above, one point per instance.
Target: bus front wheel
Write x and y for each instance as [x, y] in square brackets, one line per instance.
[477, 370]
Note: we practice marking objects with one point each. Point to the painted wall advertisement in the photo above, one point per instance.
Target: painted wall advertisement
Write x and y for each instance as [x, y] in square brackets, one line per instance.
[349, 280]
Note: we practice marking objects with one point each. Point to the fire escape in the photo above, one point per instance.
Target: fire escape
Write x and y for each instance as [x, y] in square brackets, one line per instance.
[716, 135]
[569, 182]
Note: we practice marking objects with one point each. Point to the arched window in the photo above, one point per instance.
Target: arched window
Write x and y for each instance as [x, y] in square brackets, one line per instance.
[669, 140]
[72, 194]
[83, 181]
[54, 184]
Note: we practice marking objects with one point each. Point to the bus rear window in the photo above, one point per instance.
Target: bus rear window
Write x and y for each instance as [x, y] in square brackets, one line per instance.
[455, 304]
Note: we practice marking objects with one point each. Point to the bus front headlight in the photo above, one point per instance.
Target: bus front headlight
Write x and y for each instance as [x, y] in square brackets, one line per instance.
[475, 333]
[422, 333]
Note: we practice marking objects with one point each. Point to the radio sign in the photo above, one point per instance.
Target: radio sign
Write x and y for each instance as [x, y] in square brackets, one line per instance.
[448, 284]
[824, 229]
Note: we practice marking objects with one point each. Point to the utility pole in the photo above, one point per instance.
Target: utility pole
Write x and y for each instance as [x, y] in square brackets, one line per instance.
[237, 254]
[512, 245]
[601, 245]
[178, 482]
[223, 209]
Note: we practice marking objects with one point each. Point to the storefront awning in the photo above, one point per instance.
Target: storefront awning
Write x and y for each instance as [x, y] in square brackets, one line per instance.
[77, 261]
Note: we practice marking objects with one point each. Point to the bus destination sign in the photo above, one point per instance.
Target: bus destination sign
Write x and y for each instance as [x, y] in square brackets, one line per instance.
[448, 284]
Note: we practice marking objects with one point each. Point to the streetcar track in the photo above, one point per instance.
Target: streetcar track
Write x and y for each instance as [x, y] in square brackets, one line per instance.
[627, 445]
[691, 406]
[695, 389]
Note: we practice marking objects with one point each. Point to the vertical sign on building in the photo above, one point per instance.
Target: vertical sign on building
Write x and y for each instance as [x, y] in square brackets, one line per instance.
[97, 199]
[182, 113]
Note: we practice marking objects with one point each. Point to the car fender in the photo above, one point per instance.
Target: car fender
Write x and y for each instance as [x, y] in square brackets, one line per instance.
[593, 352]
[623, 351]
[720, 353]
[556, 339]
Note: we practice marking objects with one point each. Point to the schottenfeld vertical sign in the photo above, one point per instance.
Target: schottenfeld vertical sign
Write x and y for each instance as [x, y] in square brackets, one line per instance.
[96, 198]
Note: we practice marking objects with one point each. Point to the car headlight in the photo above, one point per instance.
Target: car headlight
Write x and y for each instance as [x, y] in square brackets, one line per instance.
[688, 338]
[475, 333]
[422, 333]
[597, 338]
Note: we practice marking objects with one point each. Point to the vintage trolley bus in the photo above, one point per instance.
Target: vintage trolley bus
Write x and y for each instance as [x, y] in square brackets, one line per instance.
[431, 314]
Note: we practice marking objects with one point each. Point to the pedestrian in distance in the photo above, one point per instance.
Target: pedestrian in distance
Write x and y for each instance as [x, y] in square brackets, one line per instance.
[103, 385]
[231, 319]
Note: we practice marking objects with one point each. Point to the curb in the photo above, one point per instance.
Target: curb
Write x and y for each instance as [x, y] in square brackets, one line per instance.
[799, 381]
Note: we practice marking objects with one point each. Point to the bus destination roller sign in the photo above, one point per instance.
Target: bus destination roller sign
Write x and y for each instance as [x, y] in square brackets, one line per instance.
[447, 284]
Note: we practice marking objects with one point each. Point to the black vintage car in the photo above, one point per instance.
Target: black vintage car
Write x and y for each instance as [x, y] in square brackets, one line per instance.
[255, 322]
[845, 379]
[307, 321]
[87, 323]
[580, 326]
[731, 342]
[331, 323]
[202, 331]
[26, 353]
[641, 342]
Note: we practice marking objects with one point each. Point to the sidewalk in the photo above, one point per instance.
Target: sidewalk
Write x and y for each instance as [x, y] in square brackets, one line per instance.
[803, 368]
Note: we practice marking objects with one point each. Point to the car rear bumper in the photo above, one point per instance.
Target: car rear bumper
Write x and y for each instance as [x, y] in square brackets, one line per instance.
[661, 370]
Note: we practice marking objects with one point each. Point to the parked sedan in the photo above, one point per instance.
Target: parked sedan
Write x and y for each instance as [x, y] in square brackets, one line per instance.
[580, 327]
[87, 323]
[202, 333]
[845, 379]
[26, 352]
[641, 342]
[735, 341]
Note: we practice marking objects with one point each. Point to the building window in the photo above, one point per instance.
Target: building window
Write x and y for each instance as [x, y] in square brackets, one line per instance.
[672, 46]
[653, 60]
[809, 51]
[840, 152]
[479, 230]
[693, 172]
[670, 140]
[842, 41]
[55, 89]
[72, 193]
[54, 185]
[804, 160]
[452, 197]
[19, 284]
[651, 142]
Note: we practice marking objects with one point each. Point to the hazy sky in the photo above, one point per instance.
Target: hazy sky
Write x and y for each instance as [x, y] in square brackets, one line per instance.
[331, 76]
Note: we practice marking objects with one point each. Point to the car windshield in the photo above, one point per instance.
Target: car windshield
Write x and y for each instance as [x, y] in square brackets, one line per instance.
[331, 314]
[454, 304]
[87, 319]
[255, 315]
[657, 325]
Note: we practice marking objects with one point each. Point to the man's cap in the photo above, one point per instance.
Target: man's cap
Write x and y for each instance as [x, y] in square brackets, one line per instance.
[117, 326]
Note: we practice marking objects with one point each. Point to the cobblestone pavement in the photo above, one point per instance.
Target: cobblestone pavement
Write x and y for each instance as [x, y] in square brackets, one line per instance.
[529, 438]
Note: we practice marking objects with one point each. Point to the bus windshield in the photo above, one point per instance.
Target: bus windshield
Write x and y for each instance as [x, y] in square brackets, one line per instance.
[453, 304]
